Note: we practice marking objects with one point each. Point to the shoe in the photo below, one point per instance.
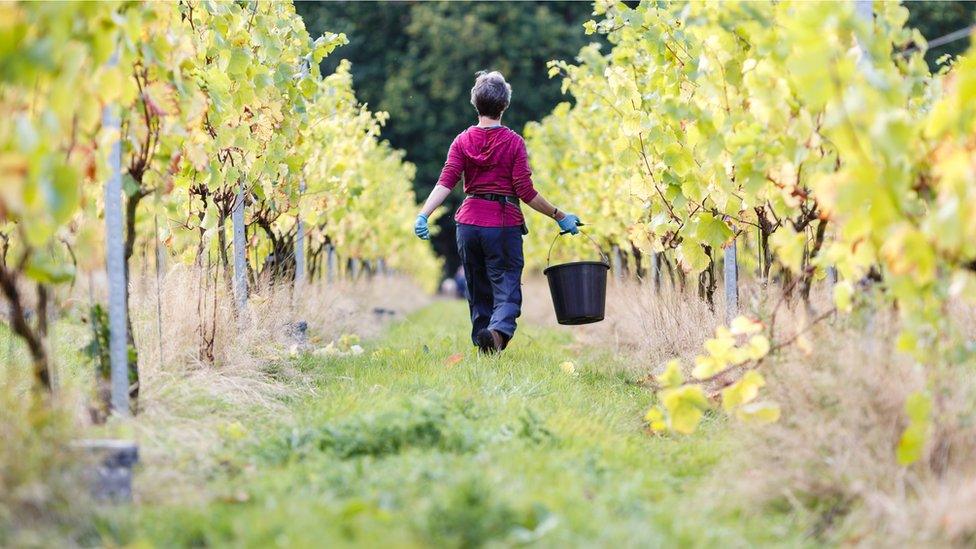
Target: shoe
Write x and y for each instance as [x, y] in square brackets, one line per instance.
[485, 342]
[501, 341]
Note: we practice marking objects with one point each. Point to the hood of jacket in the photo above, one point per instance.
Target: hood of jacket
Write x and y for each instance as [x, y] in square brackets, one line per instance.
[482, 145]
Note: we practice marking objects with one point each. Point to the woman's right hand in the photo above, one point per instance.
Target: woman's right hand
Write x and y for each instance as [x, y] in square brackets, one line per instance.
[420, 227]
[569, 224]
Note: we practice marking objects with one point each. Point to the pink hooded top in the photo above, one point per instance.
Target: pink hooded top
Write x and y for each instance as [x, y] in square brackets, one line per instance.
[492, 161]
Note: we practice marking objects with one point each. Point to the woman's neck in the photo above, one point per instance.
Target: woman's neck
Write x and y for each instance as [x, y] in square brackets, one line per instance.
[485, 122]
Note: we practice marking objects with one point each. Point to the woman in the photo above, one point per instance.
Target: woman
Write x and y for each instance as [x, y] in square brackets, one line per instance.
[495, 166]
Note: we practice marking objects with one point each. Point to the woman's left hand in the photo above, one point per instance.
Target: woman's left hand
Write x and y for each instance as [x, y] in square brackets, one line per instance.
[420, 227]
[569, 224]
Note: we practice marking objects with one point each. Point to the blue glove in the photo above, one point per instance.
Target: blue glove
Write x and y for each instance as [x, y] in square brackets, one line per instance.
[569, 224]
[420, 227]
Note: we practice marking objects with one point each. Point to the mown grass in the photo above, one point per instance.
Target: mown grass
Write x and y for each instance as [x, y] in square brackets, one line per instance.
[402, 446]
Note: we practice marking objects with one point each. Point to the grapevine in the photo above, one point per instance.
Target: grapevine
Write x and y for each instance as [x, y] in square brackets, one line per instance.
[708, 123]
[217, 101]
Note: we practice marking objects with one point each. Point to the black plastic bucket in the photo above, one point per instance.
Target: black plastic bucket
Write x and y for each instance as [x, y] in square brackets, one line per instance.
[578, 289]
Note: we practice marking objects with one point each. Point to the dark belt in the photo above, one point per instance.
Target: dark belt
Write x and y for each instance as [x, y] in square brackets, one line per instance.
[500, 198]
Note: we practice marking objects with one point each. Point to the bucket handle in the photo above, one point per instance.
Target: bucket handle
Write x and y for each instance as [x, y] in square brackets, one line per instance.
[603, 256]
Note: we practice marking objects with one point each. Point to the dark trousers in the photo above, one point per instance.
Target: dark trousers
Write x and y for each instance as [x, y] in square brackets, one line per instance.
[492, 261]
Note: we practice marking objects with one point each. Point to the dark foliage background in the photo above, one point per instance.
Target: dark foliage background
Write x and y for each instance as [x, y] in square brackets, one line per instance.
[417, 61]
[938, 18]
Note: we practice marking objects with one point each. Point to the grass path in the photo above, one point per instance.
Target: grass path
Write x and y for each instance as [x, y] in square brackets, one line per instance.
[402, 448]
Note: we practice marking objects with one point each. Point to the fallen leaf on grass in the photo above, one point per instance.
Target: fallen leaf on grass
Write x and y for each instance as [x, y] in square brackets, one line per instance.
[454, 359]
[240, 496]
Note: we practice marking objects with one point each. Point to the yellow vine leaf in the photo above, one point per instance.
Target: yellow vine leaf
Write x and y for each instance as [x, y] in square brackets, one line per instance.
[918, 407]
[743, 325]
[844, 296]
[911, 444]
[720, 346]
[789, 246]
[671, 377]
[740, 355]
[908, 252]
[907, 342]
[685, 406]
[692, 256]
[706, 366]
[757, 347]
[758, 412]
[655, 420]
[743, 391]
[712, 231]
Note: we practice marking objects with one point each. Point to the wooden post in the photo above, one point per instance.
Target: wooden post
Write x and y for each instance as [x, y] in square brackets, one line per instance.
[731, 271]
[118, 347]
[240, 252]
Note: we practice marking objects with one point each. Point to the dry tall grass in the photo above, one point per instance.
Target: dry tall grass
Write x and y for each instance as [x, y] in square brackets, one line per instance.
[42, 498]
[190, 402]
[191, 394]
[832, 455]
[831, 458]
[645, 326]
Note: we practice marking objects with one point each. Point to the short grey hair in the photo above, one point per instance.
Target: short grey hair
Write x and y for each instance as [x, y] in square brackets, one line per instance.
[491, 94]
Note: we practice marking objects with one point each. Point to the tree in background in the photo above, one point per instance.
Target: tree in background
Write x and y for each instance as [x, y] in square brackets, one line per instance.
[417, 61]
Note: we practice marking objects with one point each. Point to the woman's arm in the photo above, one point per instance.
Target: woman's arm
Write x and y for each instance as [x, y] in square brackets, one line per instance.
[567, 222]
[436, 197]
[522, 180]
[450, 174]
[541, 205]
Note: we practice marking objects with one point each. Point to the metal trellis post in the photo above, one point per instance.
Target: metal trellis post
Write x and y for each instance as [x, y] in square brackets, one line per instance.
[240, 251]
[300, 247]
[115, 266]
[731, 271]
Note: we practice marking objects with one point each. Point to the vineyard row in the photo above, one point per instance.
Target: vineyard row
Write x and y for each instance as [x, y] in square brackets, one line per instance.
[810, 139]
[203, 128]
